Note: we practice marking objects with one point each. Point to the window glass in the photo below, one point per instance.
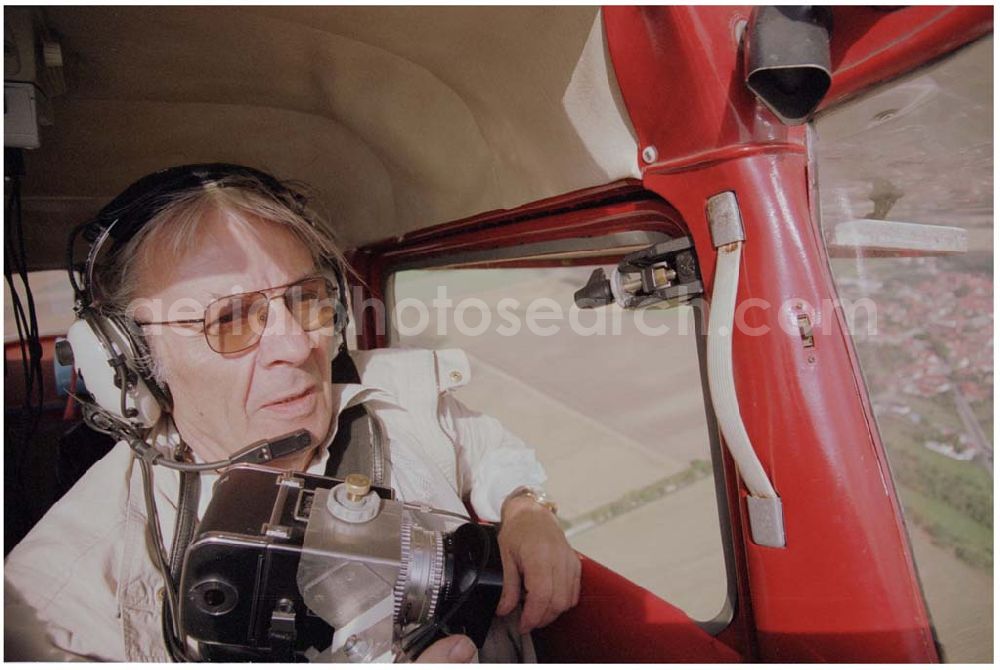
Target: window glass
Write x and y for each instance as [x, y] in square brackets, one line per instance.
[612, 403]
[53, 297]
[906, 194]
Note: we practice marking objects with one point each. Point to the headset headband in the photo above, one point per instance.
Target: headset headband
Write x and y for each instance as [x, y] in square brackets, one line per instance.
[121, 219]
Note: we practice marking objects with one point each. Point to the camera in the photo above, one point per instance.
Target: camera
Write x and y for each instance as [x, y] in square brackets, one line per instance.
[288, 566]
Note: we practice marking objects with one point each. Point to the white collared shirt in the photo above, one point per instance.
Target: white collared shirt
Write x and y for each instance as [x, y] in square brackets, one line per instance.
[82, 583]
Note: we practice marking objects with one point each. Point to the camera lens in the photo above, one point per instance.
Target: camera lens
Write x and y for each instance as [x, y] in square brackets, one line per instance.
[215, 597]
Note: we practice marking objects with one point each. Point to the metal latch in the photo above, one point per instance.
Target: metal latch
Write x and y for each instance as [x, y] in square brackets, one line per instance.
[274, 528]
[282, 632]
[666, 272]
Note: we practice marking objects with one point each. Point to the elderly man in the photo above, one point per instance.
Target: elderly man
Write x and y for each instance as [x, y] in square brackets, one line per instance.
[219, 272]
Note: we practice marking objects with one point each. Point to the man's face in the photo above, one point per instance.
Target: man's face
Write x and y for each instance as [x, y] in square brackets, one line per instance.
[223, 402]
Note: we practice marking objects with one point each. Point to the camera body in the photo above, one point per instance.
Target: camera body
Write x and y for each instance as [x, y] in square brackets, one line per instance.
[290, 566]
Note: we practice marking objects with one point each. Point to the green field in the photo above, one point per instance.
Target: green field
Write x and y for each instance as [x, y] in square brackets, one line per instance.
[952, 500]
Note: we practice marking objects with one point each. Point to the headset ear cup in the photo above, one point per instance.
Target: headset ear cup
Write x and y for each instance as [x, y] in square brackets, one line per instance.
[141, 360]
[90, 338]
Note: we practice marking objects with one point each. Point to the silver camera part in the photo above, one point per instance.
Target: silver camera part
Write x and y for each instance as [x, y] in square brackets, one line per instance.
[421, 578]
[351, 570]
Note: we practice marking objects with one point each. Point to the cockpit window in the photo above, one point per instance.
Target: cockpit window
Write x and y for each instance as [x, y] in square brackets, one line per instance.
[906, 196]
[53, 298]
[612, 402]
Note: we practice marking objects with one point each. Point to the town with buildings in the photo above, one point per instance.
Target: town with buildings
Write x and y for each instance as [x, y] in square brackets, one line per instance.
[932, 339]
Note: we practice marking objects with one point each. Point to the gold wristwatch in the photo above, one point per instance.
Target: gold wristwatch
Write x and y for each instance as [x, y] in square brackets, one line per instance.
[538, 495]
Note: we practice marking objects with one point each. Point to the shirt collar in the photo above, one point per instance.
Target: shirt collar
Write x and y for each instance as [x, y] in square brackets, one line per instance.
[344, 396]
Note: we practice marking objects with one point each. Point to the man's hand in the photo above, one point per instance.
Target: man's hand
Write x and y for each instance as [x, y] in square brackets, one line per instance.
[534, 550]
[452, 649]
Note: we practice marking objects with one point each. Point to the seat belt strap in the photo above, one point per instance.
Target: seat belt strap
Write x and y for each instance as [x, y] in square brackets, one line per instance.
[358, 446]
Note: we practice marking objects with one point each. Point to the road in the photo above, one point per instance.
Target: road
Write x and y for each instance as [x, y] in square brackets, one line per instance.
[983, 445]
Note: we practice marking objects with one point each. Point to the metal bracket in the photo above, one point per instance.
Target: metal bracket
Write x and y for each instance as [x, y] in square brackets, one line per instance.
[767, 522]
[665, 273]
[283, 620]
[274, 528]
[282, 632]
[724, 219]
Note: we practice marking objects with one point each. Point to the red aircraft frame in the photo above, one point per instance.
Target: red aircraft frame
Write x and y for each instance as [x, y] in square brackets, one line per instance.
[844, 588]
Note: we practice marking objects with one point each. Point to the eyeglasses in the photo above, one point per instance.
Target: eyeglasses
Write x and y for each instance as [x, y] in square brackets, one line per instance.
[235, 322]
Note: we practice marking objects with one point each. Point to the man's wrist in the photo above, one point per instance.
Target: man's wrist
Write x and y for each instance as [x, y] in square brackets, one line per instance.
[527, 497]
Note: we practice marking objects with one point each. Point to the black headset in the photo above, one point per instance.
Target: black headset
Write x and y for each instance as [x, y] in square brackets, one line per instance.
[109, 350]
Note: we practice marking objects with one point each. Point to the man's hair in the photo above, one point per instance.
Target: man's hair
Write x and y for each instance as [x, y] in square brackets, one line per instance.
[173, 229]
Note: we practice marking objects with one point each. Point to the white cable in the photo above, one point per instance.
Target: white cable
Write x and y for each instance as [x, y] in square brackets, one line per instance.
[720, 371]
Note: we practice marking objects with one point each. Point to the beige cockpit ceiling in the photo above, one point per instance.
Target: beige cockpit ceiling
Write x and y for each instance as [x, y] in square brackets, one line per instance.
[399, 118]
